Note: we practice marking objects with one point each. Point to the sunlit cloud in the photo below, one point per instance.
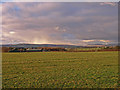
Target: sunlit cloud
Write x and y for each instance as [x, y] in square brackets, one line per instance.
[88, 40]
[57, 28]
[109, 3]
[104, 40]
[12, 32]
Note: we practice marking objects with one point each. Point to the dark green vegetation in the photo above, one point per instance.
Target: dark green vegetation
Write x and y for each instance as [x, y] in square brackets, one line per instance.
[60, 70]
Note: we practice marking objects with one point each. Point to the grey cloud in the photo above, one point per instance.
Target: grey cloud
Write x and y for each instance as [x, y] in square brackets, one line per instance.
[59, 22]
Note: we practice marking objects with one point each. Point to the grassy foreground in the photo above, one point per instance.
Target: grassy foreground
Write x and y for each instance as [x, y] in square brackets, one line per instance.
[60, 70]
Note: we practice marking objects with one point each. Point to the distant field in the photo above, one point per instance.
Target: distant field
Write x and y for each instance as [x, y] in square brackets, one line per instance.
[60, 70]
[89, 48]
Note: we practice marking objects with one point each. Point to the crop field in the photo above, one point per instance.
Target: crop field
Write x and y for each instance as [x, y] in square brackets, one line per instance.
[60, 70]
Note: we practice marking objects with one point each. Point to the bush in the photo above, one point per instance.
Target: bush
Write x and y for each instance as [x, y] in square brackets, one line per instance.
[5, 49]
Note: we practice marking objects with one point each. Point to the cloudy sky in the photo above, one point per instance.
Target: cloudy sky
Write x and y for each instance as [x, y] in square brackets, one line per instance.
[60, 0]
[77, 23]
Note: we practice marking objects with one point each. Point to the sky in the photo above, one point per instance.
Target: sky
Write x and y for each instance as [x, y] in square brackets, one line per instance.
[59, 0]
[75, 23]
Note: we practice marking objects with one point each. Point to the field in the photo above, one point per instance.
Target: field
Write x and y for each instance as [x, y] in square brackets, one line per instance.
[60, 70]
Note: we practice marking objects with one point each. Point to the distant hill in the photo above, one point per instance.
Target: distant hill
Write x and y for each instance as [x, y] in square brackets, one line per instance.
[51, 45]
[39, 45]
[114, 44]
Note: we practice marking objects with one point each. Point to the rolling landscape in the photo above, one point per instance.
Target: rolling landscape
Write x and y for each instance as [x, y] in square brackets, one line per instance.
[79, 67]
[39, 45]
[59, 45]
[54, 45]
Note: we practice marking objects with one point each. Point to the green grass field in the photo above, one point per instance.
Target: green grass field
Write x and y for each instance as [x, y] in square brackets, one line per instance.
[60, 70]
